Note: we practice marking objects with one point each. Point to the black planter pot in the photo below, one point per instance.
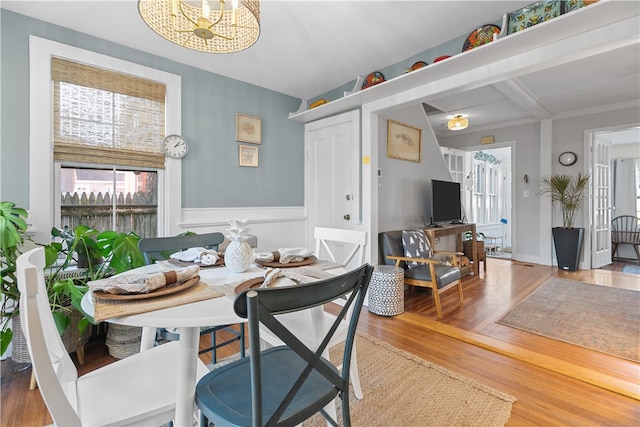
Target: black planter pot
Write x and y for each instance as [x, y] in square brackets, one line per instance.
[568, 244]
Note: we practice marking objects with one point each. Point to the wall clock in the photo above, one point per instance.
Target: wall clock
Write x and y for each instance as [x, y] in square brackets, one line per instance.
[175, 146]
[567, 158]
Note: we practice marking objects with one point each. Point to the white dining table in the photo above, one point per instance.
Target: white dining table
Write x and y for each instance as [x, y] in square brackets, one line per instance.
[189, 318]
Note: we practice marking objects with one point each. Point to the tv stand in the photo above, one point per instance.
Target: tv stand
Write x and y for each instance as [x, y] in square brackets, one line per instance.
[458, 230]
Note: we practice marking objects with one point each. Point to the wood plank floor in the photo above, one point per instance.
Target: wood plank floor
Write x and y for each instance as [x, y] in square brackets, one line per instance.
[545, 397]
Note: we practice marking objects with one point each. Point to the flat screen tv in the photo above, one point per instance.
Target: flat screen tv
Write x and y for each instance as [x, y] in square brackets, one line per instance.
[445, 202]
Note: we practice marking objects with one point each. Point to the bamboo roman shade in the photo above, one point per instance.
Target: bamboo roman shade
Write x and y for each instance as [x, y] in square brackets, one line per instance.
[105, 117]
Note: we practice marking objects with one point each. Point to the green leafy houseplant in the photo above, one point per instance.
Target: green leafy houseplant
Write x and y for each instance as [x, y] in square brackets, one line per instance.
[13, 225]
[568, 191]
[105, 253]
[112, 252]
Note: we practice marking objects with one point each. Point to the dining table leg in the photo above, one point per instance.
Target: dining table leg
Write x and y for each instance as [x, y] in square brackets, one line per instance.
[148, 338]
[187, 371]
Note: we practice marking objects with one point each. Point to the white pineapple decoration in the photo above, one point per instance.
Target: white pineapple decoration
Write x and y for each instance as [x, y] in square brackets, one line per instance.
[237, 257]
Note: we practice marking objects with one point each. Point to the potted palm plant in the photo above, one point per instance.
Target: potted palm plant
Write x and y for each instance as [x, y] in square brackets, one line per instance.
[568, 192]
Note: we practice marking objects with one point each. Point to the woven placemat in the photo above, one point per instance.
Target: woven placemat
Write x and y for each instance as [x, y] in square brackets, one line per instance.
[107, 309]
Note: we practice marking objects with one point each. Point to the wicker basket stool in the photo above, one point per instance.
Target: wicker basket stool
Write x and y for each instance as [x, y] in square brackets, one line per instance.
[386, 290]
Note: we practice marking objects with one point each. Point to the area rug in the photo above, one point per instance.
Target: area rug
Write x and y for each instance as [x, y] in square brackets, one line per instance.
[402, 390]
[631, 269]
[596, 317]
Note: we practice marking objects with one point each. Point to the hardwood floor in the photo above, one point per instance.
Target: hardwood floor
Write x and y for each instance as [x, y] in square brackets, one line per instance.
[469, 342]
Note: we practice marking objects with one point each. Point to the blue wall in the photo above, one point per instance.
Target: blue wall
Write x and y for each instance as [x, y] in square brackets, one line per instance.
[211, 177]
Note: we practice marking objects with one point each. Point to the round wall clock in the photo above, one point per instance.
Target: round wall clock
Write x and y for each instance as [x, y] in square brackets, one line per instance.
[567, 158]
[175, 146]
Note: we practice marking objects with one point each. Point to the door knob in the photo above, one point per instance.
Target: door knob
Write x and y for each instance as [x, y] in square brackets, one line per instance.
[347, 217]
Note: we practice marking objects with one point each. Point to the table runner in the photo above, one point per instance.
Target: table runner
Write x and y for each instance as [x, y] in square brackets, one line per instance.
[107, 309]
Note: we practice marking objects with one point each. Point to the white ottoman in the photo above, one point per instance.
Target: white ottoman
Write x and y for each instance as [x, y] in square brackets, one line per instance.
[386, 290]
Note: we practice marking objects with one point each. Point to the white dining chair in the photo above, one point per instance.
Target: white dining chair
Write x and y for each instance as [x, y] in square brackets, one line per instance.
[346, 249]
[138, 390]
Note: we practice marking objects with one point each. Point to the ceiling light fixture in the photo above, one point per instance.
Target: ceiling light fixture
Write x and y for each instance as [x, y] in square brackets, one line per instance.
[226, 30]
[458, 122]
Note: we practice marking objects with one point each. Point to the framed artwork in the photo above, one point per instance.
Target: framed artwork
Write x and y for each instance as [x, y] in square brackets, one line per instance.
[248, 156]
[404, 142]
[248, 128]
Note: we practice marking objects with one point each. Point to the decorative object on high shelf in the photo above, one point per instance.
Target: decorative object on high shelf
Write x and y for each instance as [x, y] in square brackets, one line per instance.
[248, 128]
[373, 79]
[480, 36]
[533, 14]
[238, 254]
[568, 191]
[404, 142]
[441, 58]
[228, 29]
[571, 5]
[248, 156]
[458, 122]
[318, 103]
[416, 66]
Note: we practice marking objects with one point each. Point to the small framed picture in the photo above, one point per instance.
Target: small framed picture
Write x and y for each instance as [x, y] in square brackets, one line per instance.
[404, 142]
[248, 128]
[248, 156]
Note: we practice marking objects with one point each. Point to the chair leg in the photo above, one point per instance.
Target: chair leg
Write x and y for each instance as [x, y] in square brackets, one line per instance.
[635, 247]
[242, 344]
[33, 384]
[80, 354]
[459, 286]
[353, 373]
[436, 296]
[214, 356]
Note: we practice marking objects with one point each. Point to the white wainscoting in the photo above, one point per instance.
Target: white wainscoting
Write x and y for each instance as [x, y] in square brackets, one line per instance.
[275, 227]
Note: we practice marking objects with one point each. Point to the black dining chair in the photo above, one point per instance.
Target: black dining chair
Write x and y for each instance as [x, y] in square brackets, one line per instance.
[161, 248]
[287, 384]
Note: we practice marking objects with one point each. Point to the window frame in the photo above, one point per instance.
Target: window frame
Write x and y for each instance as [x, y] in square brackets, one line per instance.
[44, 206]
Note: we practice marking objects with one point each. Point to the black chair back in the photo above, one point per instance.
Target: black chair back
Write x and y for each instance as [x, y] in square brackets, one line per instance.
[160, 248]
[262, 305]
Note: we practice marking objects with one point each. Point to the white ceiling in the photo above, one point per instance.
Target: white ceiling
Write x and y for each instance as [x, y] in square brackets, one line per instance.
[309, 47]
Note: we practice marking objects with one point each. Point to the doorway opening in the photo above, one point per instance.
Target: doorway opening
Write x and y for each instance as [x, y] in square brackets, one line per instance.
[485, 175]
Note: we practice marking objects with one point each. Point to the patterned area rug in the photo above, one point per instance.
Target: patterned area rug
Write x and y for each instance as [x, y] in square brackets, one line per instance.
[596, 317]
[631, 269]
[403, 390]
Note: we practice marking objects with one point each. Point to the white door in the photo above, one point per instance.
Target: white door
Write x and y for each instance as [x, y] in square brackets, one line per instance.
[601, 208]
[332, 186]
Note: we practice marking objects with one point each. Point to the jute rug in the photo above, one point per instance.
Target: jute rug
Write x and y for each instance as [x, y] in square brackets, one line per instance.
[401, 390]
[596, 317]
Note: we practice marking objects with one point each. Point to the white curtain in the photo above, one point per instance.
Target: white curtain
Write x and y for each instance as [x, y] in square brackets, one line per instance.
[626, 189]
[625, 184]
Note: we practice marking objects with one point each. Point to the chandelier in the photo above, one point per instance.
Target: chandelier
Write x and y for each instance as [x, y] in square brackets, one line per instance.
[458, 122]
[194, 25]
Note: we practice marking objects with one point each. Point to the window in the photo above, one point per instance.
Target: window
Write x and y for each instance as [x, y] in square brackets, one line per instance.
[487, 188]
[45, 199]
[111, 120]
[88, 198]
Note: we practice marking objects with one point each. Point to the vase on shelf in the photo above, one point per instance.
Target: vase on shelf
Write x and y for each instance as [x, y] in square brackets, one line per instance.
[237, 257]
